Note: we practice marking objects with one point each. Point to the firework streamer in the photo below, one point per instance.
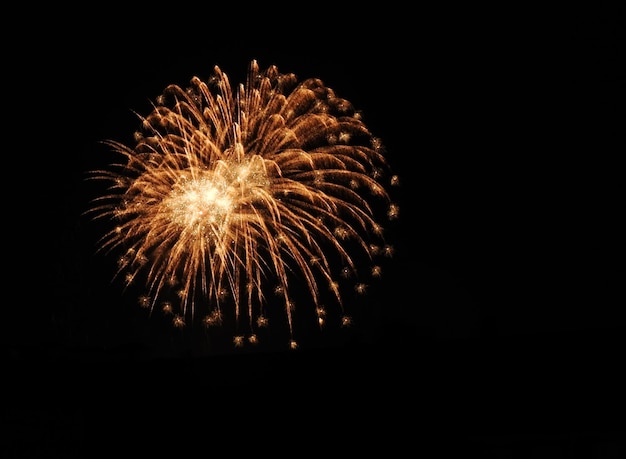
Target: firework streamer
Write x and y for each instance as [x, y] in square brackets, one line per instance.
[229, 196]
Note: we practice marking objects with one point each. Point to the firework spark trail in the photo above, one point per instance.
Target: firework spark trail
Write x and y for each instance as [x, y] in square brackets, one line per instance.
[226, 193]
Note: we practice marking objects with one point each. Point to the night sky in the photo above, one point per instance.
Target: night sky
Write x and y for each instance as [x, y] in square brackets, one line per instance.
[505, 296]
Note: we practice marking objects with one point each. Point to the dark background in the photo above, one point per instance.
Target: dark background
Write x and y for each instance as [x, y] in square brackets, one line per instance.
[498, 327]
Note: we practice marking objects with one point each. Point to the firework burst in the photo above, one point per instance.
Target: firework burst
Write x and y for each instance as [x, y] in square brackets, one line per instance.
[229, 196]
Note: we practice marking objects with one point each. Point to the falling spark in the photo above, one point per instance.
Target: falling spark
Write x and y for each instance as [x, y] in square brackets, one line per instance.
[227, 194]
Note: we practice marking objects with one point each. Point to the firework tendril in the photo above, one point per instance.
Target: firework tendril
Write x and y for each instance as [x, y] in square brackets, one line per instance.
[228, 196]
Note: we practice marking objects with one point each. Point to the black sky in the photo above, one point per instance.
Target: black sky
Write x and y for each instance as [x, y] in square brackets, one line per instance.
[505, 126]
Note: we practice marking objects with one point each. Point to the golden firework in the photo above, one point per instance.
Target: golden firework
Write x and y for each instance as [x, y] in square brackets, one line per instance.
[228, 194]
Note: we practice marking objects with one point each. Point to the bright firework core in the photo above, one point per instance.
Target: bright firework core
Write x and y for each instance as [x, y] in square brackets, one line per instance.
[227, 197]
[206, 201]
